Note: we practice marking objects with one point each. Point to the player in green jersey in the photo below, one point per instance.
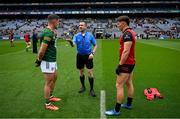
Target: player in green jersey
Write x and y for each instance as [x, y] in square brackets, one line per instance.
[47, 60]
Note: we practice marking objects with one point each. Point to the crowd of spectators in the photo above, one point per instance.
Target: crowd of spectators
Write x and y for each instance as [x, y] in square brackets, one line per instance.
[161, 28]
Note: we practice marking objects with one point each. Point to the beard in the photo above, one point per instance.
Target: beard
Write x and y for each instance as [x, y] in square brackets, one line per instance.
[56, 26]
[81, 30]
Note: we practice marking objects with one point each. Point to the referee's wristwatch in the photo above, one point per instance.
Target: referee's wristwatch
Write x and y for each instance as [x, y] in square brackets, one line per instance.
[92, 53]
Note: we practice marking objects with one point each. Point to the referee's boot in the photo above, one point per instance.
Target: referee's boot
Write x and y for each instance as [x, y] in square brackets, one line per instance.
[92, 93]
[82, 90]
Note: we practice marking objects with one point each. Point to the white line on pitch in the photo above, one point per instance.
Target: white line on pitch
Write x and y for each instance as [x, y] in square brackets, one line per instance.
[103, 104]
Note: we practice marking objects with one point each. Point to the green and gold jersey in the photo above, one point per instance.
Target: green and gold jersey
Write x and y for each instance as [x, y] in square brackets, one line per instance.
[49, 37]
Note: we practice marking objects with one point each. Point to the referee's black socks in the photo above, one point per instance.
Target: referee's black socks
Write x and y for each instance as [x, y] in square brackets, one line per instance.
[82, 78]
[91, 82]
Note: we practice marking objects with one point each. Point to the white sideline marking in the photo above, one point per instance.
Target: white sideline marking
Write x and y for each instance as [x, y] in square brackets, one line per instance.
[102, 104]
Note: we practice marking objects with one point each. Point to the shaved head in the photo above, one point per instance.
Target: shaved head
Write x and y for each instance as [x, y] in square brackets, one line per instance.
[82, 26]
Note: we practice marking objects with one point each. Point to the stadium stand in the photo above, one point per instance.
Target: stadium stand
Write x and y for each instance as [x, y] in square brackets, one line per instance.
[148, 19]
[158, 28]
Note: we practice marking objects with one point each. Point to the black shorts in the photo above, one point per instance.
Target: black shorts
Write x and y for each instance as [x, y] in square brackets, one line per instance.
[127, 68]
[82, 60]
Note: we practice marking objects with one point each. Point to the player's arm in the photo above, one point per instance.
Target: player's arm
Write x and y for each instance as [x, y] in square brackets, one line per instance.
[42, 50]
[127, 37]
[125, 53]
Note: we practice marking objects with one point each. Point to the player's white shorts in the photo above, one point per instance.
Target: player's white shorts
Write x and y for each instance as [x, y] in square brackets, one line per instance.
[28, 43]
[48, 67]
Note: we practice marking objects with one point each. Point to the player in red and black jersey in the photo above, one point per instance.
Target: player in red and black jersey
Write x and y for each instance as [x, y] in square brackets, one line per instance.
[28, 41]
[11, 38]
[125, 66]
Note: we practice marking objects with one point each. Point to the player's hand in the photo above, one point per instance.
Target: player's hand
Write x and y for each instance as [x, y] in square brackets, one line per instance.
[38, 63]
[70, 41]
[118, 69]
[91, 56]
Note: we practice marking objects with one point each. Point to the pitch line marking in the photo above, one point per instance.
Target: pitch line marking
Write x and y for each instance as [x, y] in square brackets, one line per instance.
[102, 104]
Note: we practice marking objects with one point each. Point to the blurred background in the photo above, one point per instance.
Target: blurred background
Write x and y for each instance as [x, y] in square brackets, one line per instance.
[157, 19]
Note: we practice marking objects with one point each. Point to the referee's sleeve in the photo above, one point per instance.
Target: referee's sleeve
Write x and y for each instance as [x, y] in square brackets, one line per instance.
[127, 36]
[93, 40]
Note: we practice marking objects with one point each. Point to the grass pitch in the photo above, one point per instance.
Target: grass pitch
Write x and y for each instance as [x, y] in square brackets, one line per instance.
[21, 83]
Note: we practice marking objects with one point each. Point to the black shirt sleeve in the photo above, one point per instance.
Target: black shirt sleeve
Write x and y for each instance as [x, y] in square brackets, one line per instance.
[127, 36]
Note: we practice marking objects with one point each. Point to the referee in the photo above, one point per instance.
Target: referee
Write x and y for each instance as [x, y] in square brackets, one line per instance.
[84, 41]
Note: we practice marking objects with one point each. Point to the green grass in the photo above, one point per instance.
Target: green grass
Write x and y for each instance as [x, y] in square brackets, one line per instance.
[21, 84]
[5, 47]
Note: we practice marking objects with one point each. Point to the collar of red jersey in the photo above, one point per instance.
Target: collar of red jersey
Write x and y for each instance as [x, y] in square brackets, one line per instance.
[126, 29]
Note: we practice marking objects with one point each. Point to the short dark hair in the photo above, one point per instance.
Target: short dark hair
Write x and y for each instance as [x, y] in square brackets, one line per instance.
[124, 18]
[83, 22]
[53, 17]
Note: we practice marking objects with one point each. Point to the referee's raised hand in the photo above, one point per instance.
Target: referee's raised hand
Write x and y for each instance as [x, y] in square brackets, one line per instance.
[70, 41]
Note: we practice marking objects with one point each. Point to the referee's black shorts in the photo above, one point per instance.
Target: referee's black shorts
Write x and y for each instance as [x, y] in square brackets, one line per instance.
[82, 60]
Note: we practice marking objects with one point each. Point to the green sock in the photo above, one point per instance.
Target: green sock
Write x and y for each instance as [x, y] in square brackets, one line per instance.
[47, 101]
[51, 94]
